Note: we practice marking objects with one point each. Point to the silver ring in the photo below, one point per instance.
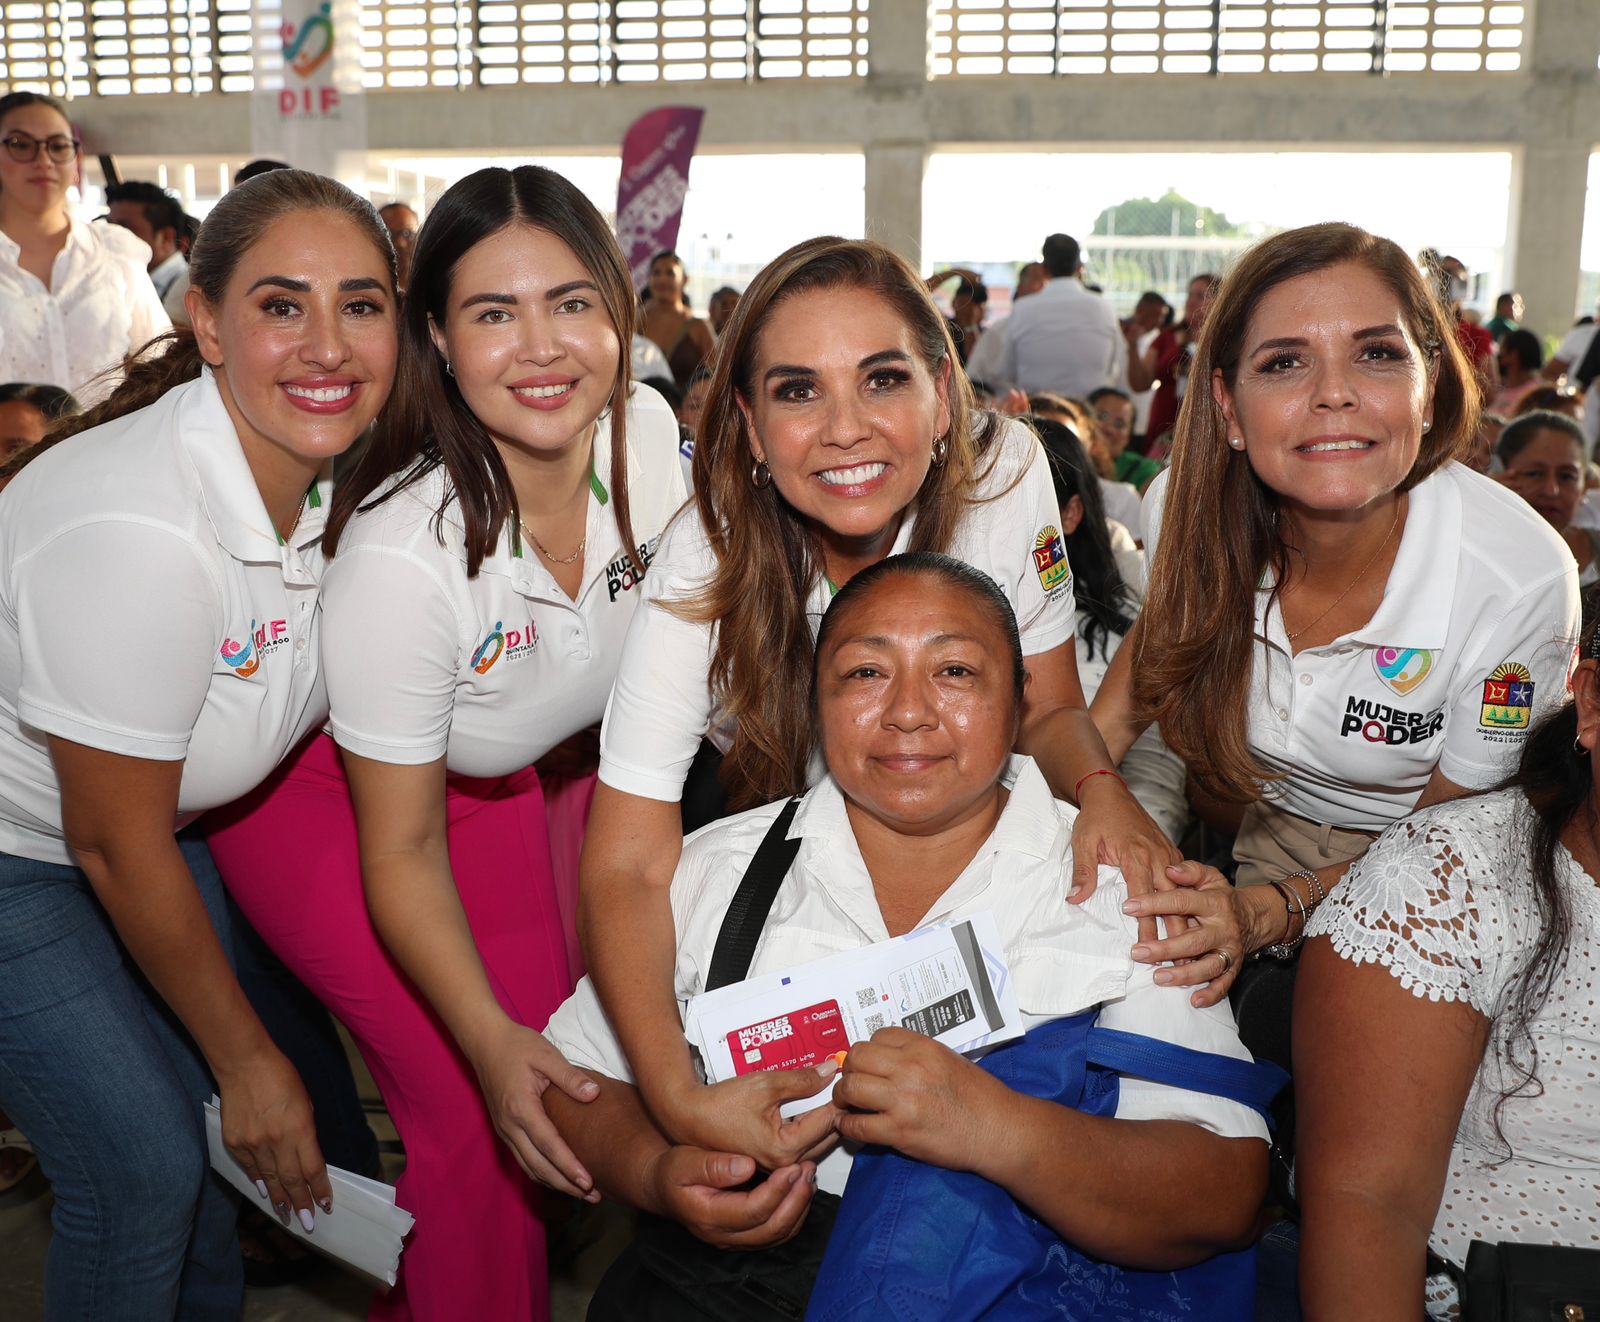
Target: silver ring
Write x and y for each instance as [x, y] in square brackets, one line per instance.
[1225, 957]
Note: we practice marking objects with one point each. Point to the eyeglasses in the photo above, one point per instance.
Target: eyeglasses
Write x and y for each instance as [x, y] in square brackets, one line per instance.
[24, 147]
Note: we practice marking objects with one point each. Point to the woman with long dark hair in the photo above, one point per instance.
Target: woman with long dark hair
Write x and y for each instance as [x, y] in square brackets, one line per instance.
[837, 431]
[1105, 585]
[667, 321]
[487, 551]
[1447, 1032]
[1343, 624]
[158, 657]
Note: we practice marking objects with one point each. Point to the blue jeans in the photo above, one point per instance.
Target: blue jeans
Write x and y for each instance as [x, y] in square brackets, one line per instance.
[109, 1089]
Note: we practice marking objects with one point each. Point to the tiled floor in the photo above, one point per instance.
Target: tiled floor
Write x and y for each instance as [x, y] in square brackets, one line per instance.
[326, 1295]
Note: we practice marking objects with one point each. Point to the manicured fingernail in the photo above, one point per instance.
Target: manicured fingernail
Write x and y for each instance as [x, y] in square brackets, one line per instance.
[1141, 952]
[326, 1204]
[828, 1068]
[282, 1209]
[590, 1089]
[1075, 892]
[1130, 906]
[307, 1220]
[261, 1188]
[1164, 976]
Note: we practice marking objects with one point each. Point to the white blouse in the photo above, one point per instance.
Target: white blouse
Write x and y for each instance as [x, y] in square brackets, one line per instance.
[1063, 958]
[100, 306]
[1444, 902]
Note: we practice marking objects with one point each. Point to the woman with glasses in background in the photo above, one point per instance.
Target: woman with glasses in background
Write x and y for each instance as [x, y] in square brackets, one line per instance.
[75, 299]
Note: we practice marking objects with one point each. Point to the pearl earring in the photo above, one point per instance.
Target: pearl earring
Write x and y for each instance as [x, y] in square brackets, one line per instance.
[1237, 442]
[1427, 426]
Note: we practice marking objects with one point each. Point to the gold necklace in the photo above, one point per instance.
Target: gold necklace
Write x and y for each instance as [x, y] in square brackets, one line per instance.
[1306, 628]
[553, 559]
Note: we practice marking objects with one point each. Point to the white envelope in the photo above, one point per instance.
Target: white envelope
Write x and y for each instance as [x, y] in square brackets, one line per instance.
[365, 1228]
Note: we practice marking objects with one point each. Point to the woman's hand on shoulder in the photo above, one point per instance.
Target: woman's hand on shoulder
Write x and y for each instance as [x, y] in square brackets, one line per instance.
[1113, 828]
[907, 1092]
[744, 1115]
[700, 1189]
[1205, 915]
[513, 1072]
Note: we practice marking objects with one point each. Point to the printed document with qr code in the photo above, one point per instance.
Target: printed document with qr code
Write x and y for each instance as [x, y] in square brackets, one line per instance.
[948, 981]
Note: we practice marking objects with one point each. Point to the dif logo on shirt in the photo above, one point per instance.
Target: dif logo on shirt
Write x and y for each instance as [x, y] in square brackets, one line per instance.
[245, 658]
[512, 645]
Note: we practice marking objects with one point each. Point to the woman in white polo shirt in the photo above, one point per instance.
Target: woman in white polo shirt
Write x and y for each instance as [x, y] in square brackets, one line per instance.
[836, 431]
[158, 657]
[1342, 625]
[488, 551]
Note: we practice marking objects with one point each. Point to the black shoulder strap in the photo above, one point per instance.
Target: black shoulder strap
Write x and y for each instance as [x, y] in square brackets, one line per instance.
[752, 902]
[1588, 367]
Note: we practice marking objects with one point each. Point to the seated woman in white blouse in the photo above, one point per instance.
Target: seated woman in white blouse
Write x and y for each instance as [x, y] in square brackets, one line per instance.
[925, 817]
[1447, 1033]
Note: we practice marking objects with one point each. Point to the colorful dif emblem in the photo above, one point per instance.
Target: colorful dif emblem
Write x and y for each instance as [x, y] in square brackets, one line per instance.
[241, 658]
[1507, 698]
[1402, 668]
[1050, 558]
[489, 649]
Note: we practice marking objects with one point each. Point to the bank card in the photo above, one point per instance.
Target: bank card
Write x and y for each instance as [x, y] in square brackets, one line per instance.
[948, 981]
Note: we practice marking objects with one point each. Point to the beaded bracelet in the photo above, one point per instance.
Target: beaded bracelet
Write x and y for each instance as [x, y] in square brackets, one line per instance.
[1077, 790]
[1285, 950]
[1319, 892]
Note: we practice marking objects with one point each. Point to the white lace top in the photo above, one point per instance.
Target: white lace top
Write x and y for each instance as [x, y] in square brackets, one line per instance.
[1445, 902]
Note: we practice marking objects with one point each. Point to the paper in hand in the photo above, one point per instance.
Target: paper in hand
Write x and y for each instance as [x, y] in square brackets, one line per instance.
[365, 1228]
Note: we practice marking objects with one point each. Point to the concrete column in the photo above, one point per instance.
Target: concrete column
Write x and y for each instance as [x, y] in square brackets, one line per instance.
[894, 137]
[1550, 171]
[895, 172]
[1545, 237]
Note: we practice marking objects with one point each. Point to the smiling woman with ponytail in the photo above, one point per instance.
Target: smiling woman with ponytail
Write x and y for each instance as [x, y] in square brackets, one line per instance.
[159, 570]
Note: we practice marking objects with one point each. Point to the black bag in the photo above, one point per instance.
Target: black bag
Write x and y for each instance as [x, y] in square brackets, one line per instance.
[666, 1274]
[1531, 1283]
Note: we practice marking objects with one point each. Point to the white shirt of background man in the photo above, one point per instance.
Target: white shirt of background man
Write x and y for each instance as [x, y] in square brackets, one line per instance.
[1065, 339]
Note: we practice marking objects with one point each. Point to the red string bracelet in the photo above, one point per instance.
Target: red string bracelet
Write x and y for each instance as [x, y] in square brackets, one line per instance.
[1077, 790]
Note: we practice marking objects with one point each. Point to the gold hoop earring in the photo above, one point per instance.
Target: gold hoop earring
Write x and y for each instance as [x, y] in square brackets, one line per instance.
[941, 450]
[760, 475]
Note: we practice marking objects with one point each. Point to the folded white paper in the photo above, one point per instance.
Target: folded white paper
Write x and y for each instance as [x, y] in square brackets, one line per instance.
[948, 982]
[365, 1228]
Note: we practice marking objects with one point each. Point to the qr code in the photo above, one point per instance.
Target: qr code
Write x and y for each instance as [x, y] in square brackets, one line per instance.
[867, 997]
[874, 1023]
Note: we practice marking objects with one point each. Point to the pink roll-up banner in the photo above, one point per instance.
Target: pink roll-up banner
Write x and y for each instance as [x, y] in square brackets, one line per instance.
[656, 152]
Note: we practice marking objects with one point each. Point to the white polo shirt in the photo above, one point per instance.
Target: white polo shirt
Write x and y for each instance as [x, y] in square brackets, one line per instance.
[1470, 646]
[491, 672]
[148, 609]
[1064, 959]
[662, 704]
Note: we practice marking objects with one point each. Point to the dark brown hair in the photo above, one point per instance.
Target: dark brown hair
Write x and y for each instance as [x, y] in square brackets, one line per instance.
[235, 225]
[768, 557]
[427, 424]
[1219, 530]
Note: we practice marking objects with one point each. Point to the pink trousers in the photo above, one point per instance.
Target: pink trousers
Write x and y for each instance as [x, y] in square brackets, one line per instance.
[289, 855]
